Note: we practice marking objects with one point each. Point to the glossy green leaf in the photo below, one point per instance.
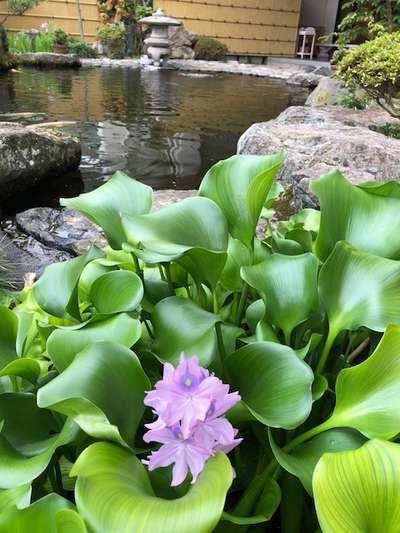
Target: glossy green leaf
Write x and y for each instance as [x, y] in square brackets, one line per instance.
[273, 383]
[302, 460]
[288, 285]
[113, 493]
[116, 292]
[69, 521]
[64, 343]
[192, 232]
[8, 335]
[239, 255]
[102, 390]
[369, 222]
[120, 195]
[18, 469]
[359, 490]
[240, 186]
[18, 497]
[56, 291]
[359, 289]
[367, 395]
[25, 368]
[39, 517]
[180, 325]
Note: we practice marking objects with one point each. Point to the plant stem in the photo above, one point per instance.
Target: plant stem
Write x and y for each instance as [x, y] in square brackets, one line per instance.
[139, 271]
[221, 346]
[149, 330]
[168, 276]
[325, 352]
[357, 351]
[242, 302]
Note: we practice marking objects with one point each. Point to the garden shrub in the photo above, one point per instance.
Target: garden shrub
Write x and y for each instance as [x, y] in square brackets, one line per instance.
[81, 49]
[113, 36]
[353, 101]
[210, 49]
[302, 326]
[374, 67]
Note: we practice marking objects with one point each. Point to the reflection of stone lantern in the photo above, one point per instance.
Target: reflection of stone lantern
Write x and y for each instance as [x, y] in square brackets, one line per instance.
[158, 43]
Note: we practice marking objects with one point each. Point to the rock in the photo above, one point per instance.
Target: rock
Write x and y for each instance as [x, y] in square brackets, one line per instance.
[318, 140]
[306, 79]
[327, 92]
[323, 70]
[181, 43]
[65, 229]
[49, 60]
[7, 60]
[29, 155]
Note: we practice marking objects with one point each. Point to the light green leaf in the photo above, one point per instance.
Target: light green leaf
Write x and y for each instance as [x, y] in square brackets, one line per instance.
[359, 289]
[120, 195]
[64, 343]
[102, 390]
[116, 292]
[240, 186]
[113, 493]
[367, 221]
[239, 255]
[273, 382]
[192, 232]
[302, 460]
[8, 335]
[69, 521]
[288, 285]
[25, 368]
[56, 291]
[367, 395]
[18, 497]
[39, 517]
[359, 490]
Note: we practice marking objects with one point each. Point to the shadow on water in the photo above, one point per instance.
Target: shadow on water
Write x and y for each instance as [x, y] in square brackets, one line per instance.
[165, 128]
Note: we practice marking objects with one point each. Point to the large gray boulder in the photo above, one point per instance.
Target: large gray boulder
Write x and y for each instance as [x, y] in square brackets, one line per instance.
[30, 154]
[181, 43]
[49, 60]
[319, 140]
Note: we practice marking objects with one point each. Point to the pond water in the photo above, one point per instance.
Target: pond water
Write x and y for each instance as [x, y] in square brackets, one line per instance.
[165, 128]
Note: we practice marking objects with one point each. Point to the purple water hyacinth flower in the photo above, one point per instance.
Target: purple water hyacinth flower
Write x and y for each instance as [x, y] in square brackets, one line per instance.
[190, 404]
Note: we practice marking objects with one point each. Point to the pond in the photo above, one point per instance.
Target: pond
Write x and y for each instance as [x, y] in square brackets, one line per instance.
[165, 128]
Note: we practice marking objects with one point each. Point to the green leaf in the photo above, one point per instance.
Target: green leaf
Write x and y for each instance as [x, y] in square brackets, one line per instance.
[8, 335]
[288, 285]
[64, 343]
[39, 517]
[18, 497]
[359, 490]
[192, 232]
[302, 460]
[239, 255]
[116, 292]
[69, 521]
[180, 325]
[102, 390]
[18, 469]
[367, 221]
[240, 186]
[25, 368]
[273, 382]
[359, 289]
[56, 291]
[120, 195]
[113, 493]
[367, 394]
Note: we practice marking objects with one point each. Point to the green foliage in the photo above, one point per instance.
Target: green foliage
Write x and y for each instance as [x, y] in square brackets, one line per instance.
[113, 36]
[303, 322]
[18, 7]
[60, 37]
[81, 49]
[374, 67]
[352, 101]
[210, 49]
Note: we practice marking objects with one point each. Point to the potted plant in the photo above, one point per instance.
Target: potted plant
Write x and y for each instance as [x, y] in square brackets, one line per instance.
[112, 38]
[60, 43]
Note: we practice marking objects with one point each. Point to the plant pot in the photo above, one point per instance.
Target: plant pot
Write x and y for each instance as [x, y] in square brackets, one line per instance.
[60, 48]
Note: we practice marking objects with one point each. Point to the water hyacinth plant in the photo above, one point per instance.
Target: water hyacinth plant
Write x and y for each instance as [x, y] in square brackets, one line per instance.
[195, 377]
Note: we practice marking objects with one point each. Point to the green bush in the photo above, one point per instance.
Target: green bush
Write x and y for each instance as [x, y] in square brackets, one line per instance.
[113, 36]
[210, 49]
[375, 67]
[21, 42]
[81, 49]
[18, 7]
[60, 37]
[352, 101]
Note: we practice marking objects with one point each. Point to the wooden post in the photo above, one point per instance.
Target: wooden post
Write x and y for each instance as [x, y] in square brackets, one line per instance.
[81, 31]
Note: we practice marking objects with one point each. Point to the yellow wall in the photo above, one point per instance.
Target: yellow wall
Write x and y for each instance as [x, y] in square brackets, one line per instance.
[60, 13]
[247, 27]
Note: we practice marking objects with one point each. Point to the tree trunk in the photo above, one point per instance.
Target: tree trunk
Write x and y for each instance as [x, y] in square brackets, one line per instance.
[389, 16]
[7, 60]
[79, 13]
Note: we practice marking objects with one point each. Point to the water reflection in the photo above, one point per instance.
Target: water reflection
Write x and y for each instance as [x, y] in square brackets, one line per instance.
[163, 127]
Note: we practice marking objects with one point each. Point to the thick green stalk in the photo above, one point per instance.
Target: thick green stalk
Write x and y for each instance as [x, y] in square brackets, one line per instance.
[325, 352]
[242, 302]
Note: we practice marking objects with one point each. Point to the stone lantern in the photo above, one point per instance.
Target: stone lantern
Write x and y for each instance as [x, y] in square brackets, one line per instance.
[158, 42]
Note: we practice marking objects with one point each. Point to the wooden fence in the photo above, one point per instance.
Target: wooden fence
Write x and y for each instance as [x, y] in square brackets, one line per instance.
[247, 27]
[59, 13]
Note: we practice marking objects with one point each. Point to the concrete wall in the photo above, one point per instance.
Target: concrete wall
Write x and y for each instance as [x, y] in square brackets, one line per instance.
[247, 27]
[319, 14]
